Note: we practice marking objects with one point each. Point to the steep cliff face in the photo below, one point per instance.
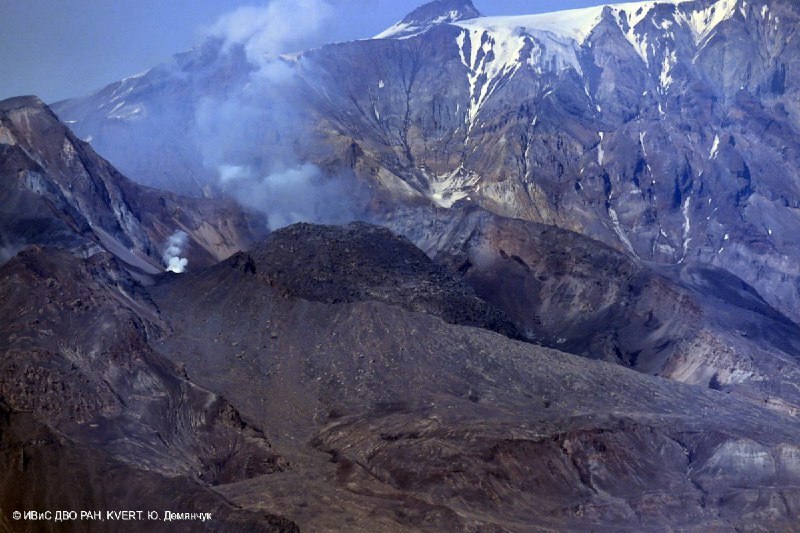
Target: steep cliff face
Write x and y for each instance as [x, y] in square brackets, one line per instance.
[691, 323]
[57, 191]
[403, 419]
[155, 113]
[567, 187]
[89, 406]
[665, 129]
[339, 377]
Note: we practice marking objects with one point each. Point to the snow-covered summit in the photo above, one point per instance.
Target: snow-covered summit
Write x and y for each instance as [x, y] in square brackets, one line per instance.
[574, 24]
[429, 15]
[701, 16]
[495, 48]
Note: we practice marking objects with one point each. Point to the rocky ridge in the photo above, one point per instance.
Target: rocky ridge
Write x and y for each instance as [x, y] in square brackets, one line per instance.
[79, 379]
[664, 129]
[439, 426]
[336, 376]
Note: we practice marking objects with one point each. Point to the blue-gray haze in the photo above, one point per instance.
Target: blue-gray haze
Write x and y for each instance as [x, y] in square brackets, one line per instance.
[59, 49]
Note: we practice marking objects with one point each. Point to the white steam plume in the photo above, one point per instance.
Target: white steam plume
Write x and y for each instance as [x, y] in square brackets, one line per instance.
[176, 243]
[297, 194]
[281, 26]
[249, 137]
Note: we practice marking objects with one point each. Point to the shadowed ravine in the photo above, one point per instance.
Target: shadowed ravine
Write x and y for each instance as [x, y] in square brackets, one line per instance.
[570, 302]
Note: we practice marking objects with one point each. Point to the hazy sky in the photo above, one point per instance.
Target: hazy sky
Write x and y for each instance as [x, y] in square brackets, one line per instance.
[63, 48]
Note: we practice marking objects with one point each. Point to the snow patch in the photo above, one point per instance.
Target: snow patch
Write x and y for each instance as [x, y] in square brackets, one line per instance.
[620, 232]
[446, 18]
[714, 148]
[600, 151]
[664, 25]
[702, 22]
[401, 30]
[670, 60]
[448, 189]
[124, 111]
[116, 107]
[574, 24]
[490, 58]
[687, 226]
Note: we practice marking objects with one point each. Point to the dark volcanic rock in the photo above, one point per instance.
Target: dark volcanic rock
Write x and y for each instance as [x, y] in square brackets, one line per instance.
[693, 323]
[417, 423]
[667, 131]
[367, 400]
[43, 470]
[56, 191]
[432, 14]
[75, 354]
[379, 417]
[358, 262]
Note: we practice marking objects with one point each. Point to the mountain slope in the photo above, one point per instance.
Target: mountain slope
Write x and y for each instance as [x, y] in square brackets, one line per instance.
[363, 400]
[31, 453]
[56, 191]
[405, 421]
[360, 262]
[423, 18]
[684, 152]
[156, 111]
[85, 397]
[695, 324]
[345, 380]
[665, 129]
